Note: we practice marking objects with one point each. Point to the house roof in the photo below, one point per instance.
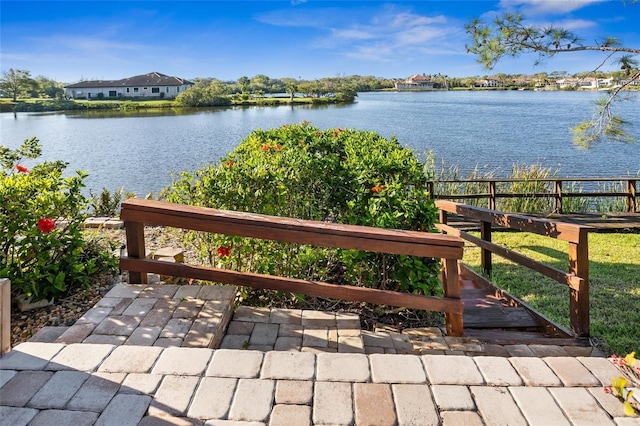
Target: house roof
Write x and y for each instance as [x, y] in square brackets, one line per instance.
[151, 79]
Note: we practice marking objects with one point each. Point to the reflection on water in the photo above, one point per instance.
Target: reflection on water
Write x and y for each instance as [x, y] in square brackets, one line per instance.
[139, 149]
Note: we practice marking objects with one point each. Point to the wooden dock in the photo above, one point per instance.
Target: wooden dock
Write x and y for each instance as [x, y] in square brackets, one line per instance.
[493, 316]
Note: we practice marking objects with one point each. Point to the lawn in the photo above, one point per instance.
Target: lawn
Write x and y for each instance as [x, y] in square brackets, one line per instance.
[614, 276]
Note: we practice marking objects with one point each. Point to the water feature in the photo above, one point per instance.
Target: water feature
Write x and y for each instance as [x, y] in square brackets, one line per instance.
[491, 130]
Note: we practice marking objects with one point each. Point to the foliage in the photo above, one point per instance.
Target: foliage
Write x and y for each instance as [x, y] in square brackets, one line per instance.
[618, 386]
[16, 82]
[508, 35]
[42, 249]
[614, 282]
[299, 171]
[106, 204]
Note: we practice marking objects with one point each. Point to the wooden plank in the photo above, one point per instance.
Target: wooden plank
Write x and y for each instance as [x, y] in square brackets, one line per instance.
[554, 229]
[468, 273]
[292, 230]
[498, 317]
[5, 315]
[579, 297]
[136, 248]
[513, 337]
[569, 279]
[335, 291]
[454, 320]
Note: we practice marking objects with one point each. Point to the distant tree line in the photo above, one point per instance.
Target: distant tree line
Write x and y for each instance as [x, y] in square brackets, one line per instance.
[19, 83]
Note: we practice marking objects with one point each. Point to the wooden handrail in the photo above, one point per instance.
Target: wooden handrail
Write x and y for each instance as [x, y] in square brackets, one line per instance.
[137, 212]
[555, 191]
[5, 315]
[577, 279]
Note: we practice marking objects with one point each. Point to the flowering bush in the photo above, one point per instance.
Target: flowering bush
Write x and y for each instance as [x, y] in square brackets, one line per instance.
[42, 249]
[338, 175]
[618, 387]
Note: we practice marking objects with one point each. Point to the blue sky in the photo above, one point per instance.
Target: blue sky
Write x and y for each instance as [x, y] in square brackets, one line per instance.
[73, 40]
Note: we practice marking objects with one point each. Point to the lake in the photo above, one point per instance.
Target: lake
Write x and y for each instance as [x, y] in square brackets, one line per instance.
[490, 130]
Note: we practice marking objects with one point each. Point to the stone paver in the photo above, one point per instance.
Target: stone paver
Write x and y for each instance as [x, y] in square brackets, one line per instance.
[496, 406]
[131, 359]
[453, 397]
[235, 363]
[264, 334]
[137, 383]
[173, 395]
[252, 401]
[535, 372]
[461, 418]
[343, 368]
[144, 336]
[23, 385]
[601, 368]
[58, 390]
[96, 393]
[212, 398]
[397, 369]
[183, 361]
[538, 406]
[286, 415]
[124, 410]
[452, 370]
[64, 417]
[580, 406]
[288, 365]
[80, 357]
[414, 405]
[332, 403]
[17, 415]
[294, 392]
[30, 356]
[571, 372]
[373, 404]
[497, 371]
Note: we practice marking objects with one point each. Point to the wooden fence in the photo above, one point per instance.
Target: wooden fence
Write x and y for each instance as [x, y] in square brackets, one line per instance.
[554, 190]
[136, 213]
[577, 279]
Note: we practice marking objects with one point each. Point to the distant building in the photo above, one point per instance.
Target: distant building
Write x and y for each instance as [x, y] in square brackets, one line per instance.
[140, 86]
[417, 82]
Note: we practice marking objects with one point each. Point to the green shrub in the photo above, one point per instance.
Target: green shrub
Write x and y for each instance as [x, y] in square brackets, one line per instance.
[106, 204]
[43, 251]
[344, 176]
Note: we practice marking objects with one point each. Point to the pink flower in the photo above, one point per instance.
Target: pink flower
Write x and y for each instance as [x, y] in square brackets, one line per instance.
[46, 225]
[22, 169]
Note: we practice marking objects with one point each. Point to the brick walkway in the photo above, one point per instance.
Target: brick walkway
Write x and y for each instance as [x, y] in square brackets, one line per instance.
[142, 356]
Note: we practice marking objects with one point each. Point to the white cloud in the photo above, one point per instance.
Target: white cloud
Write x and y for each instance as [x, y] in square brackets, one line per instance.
[546, 7]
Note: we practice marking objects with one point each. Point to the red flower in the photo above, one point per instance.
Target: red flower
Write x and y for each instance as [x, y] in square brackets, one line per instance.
[265, 147]
[21, 168]
[224, 251]
[377, 189]
[277, 147]
[229, 163]
[46, 224]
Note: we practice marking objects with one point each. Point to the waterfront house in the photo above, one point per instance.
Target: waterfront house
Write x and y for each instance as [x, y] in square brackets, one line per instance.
[417, 82]
[152, 85]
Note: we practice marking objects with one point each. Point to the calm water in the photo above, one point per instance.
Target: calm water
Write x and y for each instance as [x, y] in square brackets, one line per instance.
[491, 130]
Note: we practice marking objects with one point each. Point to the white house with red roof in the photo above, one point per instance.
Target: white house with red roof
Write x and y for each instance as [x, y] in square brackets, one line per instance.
[417, 82]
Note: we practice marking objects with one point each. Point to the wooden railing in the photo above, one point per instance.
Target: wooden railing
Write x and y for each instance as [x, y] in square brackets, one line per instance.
[138, 212]
[577, 279]
[555, 190]
[5, 315]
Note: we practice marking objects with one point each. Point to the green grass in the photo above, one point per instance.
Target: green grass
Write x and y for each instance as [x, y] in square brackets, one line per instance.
[614, 276]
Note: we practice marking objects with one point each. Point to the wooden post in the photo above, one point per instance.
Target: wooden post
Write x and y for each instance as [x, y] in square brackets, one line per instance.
[430, 189]
[5, 315]
[631, 197]
[579, 298]
[492, 195]
[135, 249]
[557, 193]
[454, 324]
[485, 255]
